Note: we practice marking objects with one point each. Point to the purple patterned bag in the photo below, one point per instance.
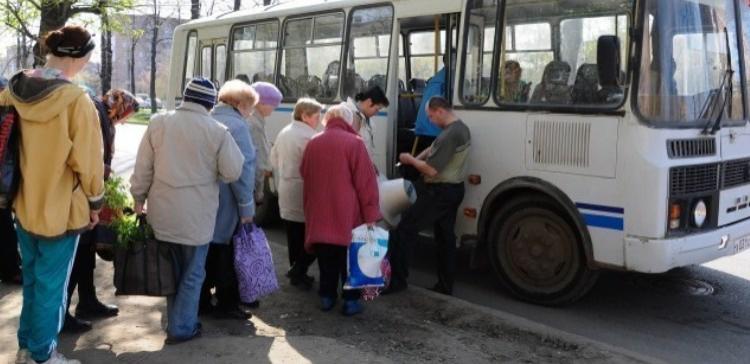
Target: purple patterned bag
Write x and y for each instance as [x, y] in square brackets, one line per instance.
[253, 263]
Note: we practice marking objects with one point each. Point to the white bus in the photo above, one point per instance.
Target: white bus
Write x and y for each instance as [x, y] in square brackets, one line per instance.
[607, 134]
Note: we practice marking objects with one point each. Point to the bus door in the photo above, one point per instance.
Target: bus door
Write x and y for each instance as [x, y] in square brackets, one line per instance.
[213, 60]
[425, 71]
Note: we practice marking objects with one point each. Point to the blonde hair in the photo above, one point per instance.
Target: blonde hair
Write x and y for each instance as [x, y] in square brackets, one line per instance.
[306, 106]
[339, 111]
[235, 92]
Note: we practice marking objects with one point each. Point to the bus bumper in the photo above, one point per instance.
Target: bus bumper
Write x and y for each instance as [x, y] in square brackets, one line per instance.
[660, 255]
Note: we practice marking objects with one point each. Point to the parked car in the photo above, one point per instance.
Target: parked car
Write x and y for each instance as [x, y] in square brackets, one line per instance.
[147, 101]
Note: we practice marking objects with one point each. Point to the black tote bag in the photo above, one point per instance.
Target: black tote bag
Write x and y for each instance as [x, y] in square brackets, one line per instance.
[145, 268]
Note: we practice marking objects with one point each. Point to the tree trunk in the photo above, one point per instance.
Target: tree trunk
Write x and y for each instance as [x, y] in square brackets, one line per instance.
[266, 2]
[54, 15]
[195, 9]
[154, 42]
[106, 49]
[131, 64]
[237, 4]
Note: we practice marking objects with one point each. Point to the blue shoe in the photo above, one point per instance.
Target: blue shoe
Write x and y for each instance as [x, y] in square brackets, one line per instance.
[352, 308]
[327, 303]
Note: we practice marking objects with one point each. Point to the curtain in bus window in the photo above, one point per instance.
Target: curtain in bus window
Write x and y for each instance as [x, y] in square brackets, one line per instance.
[479, 45]
[220, 64]
[369, 47]
[190, 57]
[206, 62]
[254, 51]
[550, 49]
[311, 59]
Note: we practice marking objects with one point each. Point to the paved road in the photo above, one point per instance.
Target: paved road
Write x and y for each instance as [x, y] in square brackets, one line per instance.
[698, 314]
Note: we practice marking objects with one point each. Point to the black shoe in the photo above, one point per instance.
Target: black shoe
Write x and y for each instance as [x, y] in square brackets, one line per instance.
[394, 287]
[96, 310]
[75, 326]
[443, 288]
[304, 282]
[171, 340]
[234, 313]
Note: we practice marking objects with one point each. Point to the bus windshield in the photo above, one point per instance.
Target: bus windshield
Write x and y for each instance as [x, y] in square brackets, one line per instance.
[685, 70]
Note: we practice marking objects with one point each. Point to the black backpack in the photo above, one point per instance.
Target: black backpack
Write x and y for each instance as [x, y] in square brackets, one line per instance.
[10, 169]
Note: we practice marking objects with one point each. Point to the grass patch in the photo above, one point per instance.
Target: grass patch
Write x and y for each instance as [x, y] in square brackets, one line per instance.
[141, 117]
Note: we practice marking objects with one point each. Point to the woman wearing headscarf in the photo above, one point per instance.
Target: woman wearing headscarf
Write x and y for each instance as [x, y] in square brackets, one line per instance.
[114, 107]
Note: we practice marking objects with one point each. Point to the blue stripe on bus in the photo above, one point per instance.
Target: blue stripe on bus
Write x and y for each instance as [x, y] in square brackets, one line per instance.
[611, 209]
[291, 109]
[605, 222]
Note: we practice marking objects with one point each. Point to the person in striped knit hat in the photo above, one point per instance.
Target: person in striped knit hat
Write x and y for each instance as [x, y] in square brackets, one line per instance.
[183, 157]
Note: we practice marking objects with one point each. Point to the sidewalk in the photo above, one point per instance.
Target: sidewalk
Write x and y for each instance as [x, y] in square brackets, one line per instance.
[414, 326]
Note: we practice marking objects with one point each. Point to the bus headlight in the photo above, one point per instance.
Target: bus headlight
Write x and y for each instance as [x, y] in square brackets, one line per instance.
[699, 213]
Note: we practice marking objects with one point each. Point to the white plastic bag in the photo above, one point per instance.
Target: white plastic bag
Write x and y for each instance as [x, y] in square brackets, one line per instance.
[365, 257]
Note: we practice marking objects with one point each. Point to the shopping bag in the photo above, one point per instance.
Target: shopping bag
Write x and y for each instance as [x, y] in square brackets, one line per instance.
[145, 267]
[253, 264]
[365, 256]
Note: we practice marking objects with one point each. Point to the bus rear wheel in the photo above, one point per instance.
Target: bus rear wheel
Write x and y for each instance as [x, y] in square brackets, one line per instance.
[537, 253]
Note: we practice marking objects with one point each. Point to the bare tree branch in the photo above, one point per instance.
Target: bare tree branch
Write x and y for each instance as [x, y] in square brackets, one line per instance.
[21, 22]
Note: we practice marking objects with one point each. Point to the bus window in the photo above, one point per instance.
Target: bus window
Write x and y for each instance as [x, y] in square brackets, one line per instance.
[369, 47]
[254, 51]
[422, 53]
[528, 50]
[480, 40]
[684, 76]
[310, 61]
[220, 65]
[554, 62]
[206, 62]
[190, 57]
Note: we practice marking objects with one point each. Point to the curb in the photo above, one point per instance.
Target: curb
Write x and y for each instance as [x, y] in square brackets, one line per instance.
[537, 328]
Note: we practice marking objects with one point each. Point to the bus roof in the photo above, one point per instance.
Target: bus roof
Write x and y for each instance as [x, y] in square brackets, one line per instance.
[309, 6]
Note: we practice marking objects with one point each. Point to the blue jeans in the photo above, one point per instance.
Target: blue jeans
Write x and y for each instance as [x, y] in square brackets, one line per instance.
[46, 266]
[182, 308]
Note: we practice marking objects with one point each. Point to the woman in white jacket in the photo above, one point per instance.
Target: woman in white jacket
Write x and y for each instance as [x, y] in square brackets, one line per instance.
[286, 158]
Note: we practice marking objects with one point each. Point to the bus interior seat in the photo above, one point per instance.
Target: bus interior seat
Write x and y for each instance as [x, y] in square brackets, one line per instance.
[287, 86]
[586, 86]
[377, 80]
[407, 110]
[353, 83]
[611, 82]
[330, 80]
[310, 86]
[553, 89]
[417, 85]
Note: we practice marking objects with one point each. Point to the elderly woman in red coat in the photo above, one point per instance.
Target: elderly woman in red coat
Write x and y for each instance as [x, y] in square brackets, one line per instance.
[340, 193]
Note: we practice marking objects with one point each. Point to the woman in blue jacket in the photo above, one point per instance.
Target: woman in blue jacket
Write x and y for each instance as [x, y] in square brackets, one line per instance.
[236, 204]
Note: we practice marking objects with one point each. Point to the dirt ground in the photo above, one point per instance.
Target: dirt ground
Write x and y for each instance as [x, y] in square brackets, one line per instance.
[415, 326]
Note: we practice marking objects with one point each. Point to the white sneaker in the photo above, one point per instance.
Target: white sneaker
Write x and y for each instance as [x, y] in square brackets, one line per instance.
[56, 358]
[22, 356]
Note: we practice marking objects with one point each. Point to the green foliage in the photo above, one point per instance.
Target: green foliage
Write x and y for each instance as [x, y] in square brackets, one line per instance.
[128, 229]
[116, 196]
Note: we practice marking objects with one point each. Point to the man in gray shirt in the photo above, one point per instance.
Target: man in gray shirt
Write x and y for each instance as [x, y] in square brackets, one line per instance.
[439, 194]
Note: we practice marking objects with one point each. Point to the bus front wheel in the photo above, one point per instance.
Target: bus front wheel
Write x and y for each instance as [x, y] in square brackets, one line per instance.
[537, 253]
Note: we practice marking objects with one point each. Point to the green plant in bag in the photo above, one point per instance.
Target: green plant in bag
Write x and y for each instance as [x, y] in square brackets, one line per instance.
[128, 229]
[116, 196]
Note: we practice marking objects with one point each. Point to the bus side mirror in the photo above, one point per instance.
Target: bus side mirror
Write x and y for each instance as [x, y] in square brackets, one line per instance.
[608, 60]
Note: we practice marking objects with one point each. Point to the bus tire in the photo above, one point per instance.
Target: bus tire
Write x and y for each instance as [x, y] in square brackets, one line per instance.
[537, 253]
[267, 213]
